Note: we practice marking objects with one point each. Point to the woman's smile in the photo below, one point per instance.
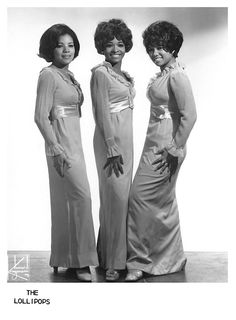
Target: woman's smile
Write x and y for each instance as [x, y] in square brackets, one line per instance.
[64, 52]
[114, 51]
[161, 57]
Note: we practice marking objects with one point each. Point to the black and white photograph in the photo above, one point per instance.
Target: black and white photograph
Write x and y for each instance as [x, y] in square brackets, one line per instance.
[119, 160]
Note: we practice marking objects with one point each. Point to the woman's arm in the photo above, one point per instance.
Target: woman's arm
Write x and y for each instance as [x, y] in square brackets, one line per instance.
[100, 99]
[181, 88]
[44, 103]
[182, 91]
[99, 93]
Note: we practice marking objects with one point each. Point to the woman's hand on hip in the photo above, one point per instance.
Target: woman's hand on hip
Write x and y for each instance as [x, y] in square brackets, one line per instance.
[61, 162]
[166, 160]
[114, 164]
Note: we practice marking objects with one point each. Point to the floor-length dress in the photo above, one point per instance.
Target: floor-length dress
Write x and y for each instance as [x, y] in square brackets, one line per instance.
[112, 98]
[154, 237]
[59, 98]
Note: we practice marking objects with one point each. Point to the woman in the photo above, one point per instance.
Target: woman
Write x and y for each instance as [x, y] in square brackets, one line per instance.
[154, 238]
[112, 97]
[57, 114]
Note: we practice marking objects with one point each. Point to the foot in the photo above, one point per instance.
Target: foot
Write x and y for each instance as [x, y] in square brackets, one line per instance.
[134, 275]
[83, 274]
[112, 275]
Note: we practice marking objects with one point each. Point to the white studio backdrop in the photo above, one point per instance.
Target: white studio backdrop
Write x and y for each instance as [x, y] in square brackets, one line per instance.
[201, 187]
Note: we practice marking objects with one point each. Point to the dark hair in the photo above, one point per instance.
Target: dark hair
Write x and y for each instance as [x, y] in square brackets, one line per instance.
[49, 41]
[163, 34]
[108, 30]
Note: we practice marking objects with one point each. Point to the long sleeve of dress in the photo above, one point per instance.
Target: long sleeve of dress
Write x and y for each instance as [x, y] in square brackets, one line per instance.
[100, 100]
[181, 88]
[44, 103]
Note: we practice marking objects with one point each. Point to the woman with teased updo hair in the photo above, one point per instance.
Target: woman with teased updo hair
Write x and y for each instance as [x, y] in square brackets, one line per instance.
[154, 237]
[112, 94]
[163, 35]
[57, 114]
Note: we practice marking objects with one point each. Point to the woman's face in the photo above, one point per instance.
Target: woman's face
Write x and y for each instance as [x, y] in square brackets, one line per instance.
[114, 51]
[64, 52]
[161, 57]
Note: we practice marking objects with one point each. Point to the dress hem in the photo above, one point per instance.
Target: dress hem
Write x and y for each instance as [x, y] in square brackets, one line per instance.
[158, 269]
[89, 259]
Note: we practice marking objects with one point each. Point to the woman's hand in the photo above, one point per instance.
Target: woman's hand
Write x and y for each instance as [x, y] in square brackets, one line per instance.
[166, 160]
[60, 162]
[114, 164]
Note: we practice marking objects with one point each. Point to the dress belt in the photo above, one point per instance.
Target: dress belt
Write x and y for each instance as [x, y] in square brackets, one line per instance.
[161, 111]
[58, 112]
[121, 105]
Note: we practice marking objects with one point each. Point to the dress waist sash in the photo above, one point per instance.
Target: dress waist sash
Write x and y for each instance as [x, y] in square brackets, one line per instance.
[58, 112]
[121, 105]
[161, 111]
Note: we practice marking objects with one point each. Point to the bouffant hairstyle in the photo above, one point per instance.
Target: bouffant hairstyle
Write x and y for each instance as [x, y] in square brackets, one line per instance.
[49, 41]
[165, 35]
[108, 30]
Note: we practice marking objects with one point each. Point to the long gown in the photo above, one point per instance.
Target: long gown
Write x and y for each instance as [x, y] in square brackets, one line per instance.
[112, 98]
[58, 102]
[154, 237]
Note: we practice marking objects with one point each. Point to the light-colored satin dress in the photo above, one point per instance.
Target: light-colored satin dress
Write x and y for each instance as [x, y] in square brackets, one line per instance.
[59, 98]
[112, 99]
[154, 237]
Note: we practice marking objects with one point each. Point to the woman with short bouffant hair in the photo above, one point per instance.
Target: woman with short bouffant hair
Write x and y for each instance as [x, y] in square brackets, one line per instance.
[112, 94]
[57, 115]
[107, 30]
[154, 237]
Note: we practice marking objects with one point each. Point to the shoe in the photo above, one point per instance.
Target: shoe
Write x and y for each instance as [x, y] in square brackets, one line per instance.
[134, 275]
[55, 270]
[184, 265]
[112, 275]
[83, 274]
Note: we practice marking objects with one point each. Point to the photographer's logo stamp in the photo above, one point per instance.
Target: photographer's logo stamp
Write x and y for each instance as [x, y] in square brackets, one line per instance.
[18, 267]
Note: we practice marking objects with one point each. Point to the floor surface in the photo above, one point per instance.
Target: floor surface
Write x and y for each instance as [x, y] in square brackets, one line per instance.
[32, 266]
